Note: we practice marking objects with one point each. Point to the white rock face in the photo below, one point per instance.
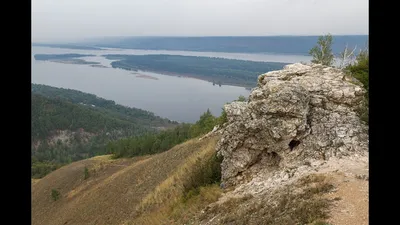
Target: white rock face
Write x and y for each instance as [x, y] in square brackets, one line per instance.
[298, 114]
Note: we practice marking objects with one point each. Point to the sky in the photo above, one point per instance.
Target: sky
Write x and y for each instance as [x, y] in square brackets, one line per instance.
[74, 20]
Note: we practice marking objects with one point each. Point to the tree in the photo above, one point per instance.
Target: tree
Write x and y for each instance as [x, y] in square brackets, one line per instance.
[322, 52]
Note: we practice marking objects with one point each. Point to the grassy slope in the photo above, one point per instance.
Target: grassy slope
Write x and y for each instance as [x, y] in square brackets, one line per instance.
[116, 190]
[149, 190]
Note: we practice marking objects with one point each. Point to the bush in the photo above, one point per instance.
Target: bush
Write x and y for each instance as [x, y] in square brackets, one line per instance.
[360, 71]
[206, 172]
[241, 98]
[41, 169]
[86, 173]
[55, 194]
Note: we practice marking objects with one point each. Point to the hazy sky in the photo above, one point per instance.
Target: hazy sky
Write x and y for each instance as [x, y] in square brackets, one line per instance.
[59, 20]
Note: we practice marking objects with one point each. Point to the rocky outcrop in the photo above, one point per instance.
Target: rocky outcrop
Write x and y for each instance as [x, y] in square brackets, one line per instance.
[298, 115]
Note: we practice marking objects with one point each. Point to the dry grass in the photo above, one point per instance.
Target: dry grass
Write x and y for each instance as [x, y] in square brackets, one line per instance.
[162, 189]
[34, 181]
[302, 203]
[116, 189]
[170, 203]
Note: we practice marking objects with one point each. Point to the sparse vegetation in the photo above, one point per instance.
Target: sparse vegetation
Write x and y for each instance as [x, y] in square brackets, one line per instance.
[322, 52]
[41, 169]
[192, 186]
[86, 174]
[241, 98]
[287, 206]
[360, 70]
[356, 66]
[205, 172]
[55, 194]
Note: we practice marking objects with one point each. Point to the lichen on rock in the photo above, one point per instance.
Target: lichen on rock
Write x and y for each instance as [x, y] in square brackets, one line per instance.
[301, 113]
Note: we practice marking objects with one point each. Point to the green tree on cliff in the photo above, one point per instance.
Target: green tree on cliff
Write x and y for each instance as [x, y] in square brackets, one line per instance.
[322, 52]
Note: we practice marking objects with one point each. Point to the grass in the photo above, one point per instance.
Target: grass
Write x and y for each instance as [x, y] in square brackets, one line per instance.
[128, 190]
[192, 186]
[173, 187]
[302, 203]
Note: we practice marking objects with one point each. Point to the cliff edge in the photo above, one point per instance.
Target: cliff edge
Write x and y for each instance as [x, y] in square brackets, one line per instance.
[301, 115]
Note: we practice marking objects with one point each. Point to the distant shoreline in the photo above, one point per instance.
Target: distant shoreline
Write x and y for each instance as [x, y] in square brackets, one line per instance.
[73, 61]
[166, 73]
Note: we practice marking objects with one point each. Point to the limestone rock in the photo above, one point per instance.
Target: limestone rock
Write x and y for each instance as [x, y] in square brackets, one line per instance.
[301, 113]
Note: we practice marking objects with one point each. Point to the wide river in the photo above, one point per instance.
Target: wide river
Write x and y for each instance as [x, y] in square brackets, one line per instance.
[176, 98]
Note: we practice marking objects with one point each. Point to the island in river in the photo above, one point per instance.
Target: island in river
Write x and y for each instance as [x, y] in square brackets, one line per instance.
[219, 71]
[65, 58]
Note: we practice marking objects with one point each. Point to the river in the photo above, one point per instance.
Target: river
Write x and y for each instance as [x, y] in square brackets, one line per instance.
[176, 98]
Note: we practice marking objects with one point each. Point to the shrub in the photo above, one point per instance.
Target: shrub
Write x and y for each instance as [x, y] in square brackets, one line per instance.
[86, 173]
[241, 98]
[360, 71]
[55, 194]
[205, 172]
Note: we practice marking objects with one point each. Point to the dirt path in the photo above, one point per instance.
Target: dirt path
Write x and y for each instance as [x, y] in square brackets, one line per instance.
[353, 206]
[351, 179]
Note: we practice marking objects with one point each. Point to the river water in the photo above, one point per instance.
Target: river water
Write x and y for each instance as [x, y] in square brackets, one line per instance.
[177, 98]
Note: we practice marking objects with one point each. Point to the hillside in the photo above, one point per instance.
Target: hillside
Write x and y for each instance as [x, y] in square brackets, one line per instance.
[69, 125]
[107, 107]
[151, 190]
[115, 190]
[294, 152]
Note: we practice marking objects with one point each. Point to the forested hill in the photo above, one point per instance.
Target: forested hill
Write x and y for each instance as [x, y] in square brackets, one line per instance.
[69, 125]
[105, 107]
[51, 115]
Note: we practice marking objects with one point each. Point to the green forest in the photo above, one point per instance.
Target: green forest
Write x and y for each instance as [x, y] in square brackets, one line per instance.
[56, 109]
[217, 70]
[163, 141]
[111, 129]
[109, 107]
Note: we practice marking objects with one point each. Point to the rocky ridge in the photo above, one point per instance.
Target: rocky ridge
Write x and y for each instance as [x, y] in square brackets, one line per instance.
[297, 118]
